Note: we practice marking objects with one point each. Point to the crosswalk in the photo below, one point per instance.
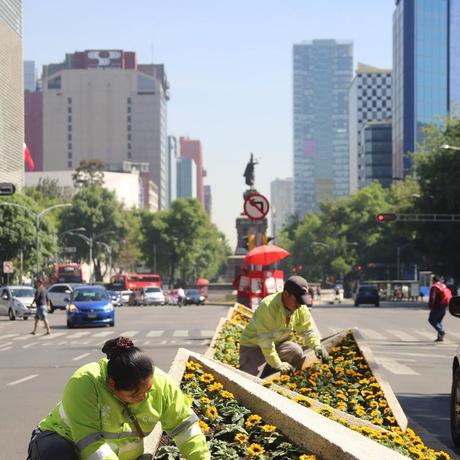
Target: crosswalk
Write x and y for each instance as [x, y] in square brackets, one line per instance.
[178, 337]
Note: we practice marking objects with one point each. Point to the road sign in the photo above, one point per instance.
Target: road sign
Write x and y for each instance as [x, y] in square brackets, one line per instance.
[69, 249]
[7, 266]
[256, 206]
[6, 188]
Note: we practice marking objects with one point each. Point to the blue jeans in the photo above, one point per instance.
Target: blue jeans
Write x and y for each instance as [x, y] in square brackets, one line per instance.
[435, 319]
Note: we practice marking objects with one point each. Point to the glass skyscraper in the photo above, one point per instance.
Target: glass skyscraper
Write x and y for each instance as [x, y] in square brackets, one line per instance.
[323, 70]
[426, 80]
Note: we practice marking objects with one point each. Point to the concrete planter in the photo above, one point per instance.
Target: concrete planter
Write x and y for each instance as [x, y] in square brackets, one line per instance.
[303, 427]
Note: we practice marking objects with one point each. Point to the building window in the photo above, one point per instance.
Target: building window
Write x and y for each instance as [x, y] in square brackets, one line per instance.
[129, 100]
[129, 118]
[69, 164]
[129, 137]
[129, 146]
[69, 137]
[69, 119]
[69, 109]
[69, 100]
[69, 155]
[69, 128]
[129, 128]
[69, 145]
[130, 155]
[54, 83]
[129, 109]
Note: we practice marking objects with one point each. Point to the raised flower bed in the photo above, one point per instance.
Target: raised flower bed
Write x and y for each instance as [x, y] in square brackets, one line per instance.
[242, 419]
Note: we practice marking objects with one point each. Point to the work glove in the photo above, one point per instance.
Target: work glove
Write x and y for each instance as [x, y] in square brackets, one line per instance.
[322, 354]
[286, 368]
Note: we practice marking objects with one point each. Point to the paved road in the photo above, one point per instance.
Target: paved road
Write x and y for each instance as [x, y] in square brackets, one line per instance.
[33, 369]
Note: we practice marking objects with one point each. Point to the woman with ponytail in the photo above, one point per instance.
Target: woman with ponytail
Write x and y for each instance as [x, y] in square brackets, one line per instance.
[109, 406]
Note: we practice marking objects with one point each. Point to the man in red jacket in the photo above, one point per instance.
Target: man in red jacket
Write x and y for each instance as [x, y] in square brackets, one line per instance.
[439, 300]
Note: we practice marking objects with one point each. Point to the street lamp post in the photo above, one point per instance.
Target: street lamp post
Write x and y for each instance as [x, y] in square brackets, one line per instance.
[449, 147]
[37, 217]
[109, 250]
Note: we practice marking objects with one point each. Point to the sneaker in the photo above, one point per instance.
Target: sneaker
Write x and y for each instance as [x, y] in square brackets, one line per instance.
[440, 338]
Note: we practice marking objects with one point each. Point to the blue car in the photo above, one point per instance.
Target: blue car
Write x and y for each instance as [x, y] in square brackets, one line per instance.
[90, 305]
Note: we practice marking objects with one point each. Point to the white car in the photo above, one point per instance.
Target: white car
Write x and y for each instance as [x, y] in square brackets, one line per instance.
[152, 295]
[57, 293]
[15, 301]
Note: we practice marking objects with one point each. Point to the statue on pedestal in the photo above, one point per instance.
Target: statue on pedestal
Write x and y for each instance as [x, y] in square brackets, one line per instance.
[249, 172]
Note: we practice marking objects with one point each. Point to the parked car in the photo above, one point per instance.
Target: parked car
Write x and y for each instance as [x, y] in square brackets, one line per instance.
[194, 296]
[15, 302]
[454, 309]
[367, 294]
[90, 305]
[152, 295]
[57, 293]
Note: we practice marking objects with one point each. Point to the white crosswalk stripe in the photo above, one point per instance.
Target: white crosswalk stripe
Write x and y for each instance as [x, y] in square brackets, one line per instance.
[129, 334]
[395, 367]
[7, 336]
[404, 336]
[104, 334]
[155, 333]
[52, 336]
[180, 333]
[78, 334]
[207, 333]
[371, 334]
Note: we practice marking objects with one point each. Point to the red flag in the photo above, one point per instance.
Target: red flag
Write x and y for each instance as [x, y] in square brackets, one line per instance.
[28, 158]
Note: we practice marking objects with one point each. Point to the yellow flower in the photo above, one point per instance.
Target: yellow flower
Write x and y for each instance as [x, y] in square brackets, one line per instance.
[189, 376]
[268, 428]
[211, 412]
[207, 378]
[204, 426]
[205, 400]
[324, 367]
[284, 378]
[253, 420]
[215, 387]
[307, 457]
[255, 450]
[226, 394]
[241, 438]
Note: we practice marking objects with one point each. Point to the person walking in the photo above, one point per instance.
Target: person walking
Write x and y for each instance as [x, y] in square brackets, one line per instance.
[265, 338]
[41, 301]
[109, 406]
[180, 296]
[440, 296]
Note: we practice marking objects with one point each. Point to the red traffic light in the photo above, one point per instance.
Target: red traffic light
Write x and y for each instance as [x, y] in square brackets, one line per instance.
[385, 217]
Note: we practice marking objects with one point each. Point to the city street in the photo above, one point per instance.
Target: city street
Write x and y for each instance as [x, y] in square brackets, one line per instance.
[33, 369]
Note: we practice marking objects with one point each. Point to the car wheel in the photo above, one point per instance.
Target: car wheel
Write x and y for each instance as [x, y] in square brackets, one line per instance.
[455, 408]
[11, 314]
[377, 304]
[25, 318]
[356, 304]
[112, 324]
[69, 325]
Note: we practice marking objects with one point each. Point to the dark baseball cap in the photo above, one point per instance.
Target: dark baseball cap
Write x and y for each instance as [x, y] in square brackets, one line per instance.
[298, 287]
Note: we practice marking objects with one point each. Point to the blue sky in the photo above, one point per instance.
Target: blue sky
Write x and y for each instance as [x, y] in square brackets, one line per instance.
[229, 64]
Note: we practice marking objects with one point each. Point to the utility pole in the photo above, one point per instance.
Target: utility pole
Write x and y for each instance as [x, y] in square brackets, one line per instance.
[154, 257]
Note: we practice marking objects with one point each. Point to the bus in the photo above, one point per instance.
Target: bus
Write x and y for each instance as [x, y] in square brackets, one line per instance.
[67, 273]
[135, 281]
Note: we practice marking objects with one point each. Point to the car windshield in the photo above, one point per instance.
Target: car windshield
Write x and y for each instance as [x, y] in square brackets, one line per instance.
[193, 292]
[367, 289]
[22, 292]
[152, 289]
[88, 295]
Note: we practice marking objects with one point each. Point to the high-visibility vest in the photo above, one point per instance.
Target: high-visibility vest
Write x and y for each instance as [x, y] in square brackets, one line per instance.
[93, 418]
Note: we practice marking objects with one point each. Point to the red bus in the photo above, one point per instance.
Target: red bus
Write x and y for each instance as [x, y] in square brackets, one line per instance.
[67, 273]
[133, 281]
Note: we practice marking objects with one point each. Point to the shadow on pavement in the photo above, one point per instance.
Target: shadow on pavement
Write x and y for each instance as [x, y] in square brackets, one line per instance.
[432, 415]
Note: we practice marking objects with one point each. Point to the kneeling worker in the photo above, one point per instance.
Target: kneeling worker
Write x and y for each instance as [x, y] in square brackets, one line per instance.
[266, 336]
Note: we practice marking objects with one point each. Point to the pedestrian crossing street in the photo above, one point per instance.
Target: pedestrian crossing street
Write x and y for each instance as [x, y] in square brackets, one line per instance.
[398, 351]
[179, 337]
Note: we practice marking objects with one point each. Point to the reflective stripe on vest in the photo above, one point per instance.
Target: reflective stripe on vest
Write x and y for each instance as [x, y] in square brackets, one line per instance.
[190, 420]
[87, 440]
[102, 452]
[186, 434]
[62, 414]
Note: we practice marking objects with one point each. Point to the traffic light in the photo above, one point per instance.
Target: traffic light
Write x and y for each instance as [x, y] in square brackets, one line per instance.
[6, 188]
[266, 239]
[386, 217]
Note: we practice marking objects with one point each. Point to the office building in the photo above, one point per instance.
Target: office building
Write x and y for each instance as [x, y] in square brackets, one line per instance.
[426, 64]
[376, 149]
[208, 201]
[281, 203]
[30, 76]
[369, 100]
[191, 149]
[11, 93]
[173, 157]
[323, 70]
[186, 178]
[33, 126]
[102, 104]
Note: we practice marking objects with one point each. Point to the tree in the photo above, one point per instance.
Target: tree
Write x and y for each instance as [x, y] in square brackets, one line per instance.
[18, 232]
[104, 219]
[89, 172]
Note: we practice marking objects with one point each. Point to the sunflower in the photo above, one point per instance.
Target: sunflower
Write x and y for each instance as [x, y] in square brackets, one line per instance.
[255, 450]
[241, 438]
[227, 394]
[204, 426]
[268, 428]
[207, 378]
[189, 376]
[307, 457]
[216, 386]
[211, 412]
[253, 420]
[205, 400]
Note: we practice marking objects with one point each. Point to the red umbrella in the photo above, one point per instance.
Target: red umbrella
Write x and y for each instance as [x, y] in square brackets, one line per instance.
[265, 255]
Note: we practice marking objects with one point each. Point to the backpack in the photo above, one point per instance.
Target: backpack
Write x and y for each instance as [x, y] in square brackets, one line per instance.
[445, 294]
